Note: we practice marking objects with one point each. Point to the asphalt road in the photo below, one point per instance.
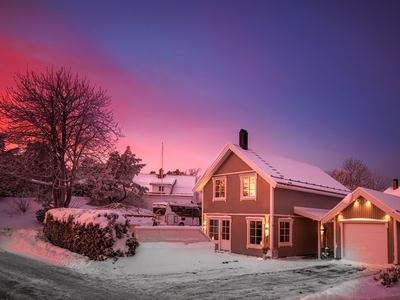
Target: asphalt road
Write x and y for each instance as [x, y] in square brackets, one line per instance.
[26, 278]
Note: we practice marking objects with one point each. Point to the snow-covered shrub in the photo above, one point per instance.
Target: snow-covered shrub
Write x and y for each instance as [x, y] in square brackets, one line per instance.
[98, 234]
[388, 277]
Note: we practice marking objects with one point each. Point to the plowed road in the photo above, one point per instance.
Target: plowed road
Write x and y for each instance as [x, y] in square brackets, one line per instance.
[25, 278]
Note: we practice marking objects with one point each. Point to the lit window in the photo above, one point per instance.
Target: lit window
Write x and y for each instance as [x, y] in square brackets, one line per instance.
[219, 188]
[248, 187]
[285, 232]
[213, 229]
[255, 230]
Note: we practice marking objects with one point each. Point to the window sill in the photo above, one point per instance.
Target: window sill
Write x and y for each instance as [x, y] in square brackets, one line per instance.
[248, 198]
[219, 199]
[251, 246]
[285, 245]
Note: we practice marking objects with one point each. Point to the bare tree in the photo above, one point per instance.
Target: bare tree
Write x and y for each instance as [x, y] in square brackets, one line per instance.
[67, 113]
[355, 173]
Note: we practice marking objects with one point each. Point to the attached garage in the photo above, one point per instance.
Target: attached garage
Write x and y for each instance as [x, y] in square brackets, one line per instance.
[365, 242]
[366, 227]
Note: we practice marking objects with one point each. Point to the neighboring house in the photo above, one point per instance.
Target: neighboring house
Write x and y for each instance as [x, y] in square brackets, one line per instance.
[171, 188]
[252, 200]
[366, 225]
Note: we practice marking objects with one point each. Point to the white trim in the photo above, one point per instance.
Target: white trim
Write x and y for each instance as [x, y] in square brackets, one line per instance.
[220, 219]
[334, 238]
[319, 239]
[234, 214]
[214, 179]
[249, 175]
[255, 246]
[290, 221]
[362, 220]
[233, 173]
[271, 218]
[339, 194]
[395, 246]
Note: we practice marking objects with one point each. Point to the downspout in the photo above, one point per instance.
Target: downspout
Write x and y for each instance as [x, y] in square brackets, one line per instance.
[271, 218]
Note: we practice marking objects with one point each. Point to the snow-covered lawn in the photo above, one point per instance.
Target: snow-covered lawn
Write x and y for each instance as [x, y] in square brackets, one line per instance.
[178, 264]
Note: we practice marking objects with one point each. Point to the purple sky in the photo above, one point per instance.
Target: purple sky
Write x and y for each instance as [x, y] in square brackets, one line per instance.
[315, 81]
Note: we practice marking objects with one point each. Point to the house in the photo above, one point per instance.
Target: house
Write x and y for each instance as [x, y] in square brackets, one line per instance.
[253, 199]
[167, 188]
[366, 225]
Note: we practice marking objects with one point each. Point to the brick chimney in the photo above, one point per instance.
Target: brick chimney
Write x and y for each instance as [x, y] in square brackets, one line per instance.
[161, 174]
[177, 172]
[243, 137]
[395, 184]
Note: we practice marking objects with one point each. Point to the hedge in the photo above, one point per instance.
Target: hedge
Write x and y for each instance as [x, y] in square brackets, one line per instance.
[98, 234]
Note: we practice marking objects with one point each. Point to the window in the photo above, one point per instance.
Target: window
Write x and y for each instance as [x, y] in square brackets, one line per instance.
[248, 187]
[219, 189]
[161, 188]
[285, 232]
[213, 229]
[255, 232]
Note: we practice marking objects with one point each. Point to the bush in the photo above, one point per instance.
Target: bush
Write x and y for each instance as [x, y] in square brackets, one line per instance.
[98, 234]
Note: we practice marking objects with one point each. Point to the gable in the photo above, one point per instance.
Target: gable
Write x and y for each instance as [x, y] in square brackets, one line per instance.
[232, 164]
[361, 208]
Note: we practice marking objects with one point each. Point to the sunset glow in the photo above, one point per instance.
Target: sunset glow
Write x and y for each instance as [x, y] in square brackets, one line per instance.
[191, 74]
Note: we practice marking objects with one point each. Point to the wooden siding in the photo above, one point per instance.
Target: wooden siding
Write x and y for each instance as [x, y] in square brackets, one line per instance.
[304, 239]
[286, 199]
[365, 210]
[233, 204]
[232, 164]
[239, 237]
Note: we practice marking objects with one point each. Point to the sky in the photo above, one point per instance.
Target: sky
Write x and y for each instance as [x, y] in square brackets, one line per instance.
[314, 81]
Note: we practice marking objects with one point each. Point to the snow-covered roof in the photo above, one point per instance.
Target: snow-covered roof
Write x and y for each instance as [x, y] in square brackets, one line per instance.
[390, 190]
[278, 171]
[312, 213]
[182, 184]
[164, 181]
[390, 204]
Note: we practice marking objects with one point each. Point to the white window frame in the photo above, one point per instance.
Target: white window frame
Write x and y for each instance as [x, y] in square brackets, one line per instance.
[290, 221]
[214, 185]
[248, 244]
[218, 231]
[242, 176]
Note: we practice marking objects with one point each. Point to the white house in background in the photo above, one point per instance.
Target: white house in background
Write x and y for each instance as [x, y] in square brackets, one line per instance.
[168, 188]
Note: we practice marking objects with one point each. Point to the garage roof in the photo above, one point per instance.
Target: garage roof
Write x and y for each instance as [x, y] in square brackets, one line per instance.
[388, 203]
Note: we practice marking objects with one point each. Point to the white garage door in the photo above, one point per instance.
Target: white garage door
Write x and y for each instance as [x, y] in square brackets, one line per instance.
[365, 242]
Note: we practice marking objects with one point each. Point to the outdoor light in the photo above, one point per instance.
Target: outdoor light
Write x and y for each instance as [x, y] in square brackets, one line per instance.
[322, 229]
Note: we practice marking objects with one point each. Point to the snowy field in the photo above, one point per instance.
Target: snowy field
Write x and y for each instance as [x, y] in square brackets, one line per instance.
[193, 271]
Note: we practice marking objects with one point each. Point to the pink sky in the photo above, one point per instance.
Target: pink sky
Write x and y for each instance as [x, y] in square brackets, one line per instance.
[191, 75]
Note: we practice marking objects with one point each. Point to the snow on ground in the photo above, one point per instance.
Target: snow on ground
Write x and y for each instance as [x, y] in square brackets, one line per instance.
[21, 233]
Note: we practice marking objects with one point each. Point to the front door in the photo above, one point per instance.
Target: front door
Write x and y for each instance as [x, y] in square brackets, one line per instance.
[225, 235]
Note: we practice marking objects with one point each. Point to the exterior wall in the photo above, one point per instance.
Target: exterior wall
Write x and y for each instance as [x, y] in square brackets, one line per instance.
[231, 168]
[304, 238]
[365, 211]
[286, 199]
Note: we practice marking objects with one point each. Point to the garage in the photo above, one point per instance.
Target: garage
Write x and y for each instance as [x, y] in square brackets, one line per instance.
[365, 242]
[366, 226]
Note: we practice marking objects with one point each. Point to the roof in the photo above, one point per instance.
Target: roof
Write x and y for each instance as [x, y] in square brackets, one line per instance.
[278, 171]
[390, 190]
[390, 204]
[183, 183]
[315, 214]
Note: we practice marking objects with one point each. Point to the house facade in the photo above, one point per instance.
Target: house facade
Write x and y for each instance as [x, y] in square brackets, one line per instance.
[366, 226]
[249, 199]
[167, 188]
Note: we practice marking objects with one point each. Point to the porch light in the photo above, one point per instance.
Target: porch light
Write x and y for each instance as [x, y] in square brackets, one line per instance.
[266, 226]
[322, 229]
[205, 224]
